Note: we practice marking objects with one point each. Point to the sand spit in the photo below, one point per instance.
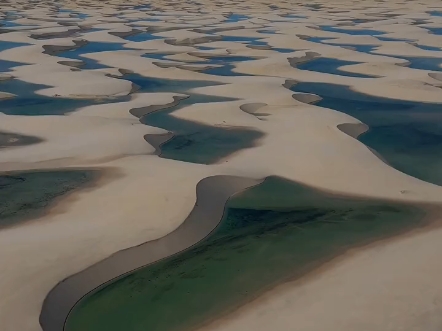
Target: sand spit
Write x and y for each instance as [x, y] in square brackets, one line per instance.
[157, 140]
[140, 112]
[253, 108]
[353, 129]
[212, 194]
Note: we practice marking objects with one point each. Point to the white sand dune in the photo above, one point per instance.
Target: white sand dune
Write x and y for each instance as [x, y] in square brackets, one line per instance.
[141, 197]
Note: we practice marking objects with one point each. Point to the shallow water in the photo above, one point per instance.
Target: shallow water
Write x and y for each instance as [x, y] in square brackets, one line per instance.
[24, 195]
[277, 231]
[408, 135]
[330, 66]
[198, 143]
[193, 142]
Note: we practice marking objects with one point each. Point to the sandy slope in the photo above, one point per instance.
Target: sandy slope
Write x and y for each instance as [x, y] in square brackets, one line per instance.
[144, 197]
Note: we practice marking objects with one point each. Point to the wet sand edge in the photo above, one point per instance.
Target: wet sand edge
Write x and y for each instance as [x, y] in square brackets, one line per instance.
[212, 196]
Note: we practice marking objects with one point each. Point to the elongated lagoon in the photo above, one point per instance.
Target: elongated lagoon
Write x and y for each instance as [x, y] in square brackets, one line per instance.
[272, 233]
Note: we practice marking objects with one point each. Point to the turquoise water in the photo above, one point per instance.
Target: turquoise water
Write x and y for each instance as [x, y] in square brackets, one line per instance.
[272, 233]
[408, 135]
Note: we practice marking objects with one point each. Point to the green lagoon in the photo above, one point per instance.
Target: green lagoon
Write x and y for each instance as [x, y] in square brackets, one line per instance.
[25, 195]
[271, 233]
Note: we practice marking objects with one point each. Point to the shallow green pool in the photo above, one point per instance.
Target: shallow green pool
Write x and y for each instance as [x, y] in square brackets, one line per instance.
[270, 233]
[24, 195]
